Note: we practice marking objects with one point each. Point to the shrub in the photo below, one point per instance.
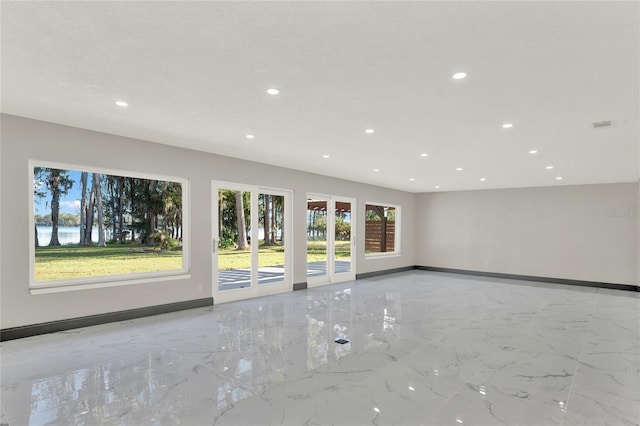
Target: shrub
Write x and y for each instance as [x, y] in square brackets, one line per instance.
[164, 241]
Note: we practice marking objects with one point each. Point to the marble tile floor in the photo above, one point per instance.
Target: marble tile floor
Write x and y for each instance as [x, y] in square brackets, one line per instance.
[425, 349]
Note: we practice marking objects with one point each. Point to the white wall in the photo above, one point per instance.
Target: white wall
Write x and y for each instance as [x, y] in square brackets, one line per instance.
[586, 232]
[24, 139]
[560, 232]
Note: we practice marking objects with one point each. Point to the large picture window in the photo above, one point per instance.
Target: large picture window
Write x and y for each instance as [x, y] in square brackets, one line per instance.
[382, 229]
[92, 226]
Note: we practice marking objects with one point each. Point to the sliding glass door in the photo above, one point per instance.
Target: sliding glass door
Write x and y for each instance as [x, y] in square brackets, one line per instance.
[251, 255]
[330, 239]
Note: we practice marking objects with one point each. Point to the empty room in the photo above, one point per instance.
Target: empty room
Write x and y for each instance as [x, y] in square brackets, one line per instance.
[320, 213]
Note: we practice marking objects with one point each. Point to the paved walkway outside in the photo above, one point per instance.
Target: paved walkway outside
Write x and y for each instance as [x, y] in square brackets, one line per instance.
[241, 278]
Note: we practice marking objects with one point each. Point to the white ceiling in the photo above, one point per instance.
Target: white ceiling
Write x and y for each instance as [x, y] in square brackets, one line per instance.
[195, 75]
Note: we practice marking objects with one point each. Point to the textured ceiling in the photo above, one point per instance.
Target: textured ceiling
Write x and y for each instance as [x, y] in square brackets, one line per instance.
[195, 75]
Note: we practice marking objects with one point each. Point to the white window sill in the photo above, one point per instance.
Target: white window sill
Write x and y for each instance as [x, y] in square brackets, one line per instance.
[372, 256]
[104, 282]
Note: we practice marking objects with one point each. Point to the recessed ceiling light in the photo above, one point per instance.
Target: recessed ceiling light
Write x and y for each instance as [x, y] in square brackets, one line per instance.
[507, 125]
[549, 167]
[424, 154]
[459, 169]
[437, 186]
[369, 131]
[459, 75]
[121, 103]
[273, 91]
[325, 156]
[533, 151]
[559, 178]
[250, 136]
[376, 170]
[411, 179]
[483, 179]
[412, 388]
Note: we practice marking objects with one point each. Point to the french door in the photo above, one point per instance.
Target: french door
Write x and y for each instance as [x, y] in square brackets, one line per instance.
[330, 239]
[250, 244]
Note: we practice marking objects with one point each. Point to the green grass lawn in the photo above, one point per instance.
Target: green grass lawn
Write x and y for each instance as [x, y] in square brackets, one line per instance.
[74, 261]
[241, 259]
[274, 255]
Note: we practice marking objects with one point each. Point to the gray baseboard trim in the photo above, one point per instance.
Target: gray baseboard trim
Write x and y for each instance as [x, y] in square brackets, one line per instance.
[384, 272]
[300, 286]
[71, 323]
[613, 286]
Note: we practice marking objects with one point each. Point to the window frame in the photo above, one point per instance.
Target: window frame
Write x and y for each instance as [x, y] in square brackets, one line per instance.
[397, 239]
[103, 281]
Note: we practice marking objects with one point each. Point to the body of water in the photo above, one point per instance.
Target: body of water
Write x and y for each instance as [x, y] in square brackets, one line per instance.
[66, 235]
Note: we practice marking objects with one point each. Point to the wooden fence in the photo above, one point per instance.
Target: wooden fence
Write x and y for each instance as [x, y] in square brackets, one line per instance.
[373, 236]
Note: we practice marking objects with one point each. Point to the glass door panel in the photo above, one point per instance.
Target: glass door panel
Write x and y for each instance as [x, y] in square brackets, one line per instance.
[234, 238]
[330, 239]
[317, 264]
[251, 256]
[271, 248]
[343, 242]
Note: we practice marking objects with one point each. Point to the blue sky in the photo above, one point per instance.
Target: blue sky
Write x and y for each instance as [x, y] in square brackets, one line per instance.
[69, 203]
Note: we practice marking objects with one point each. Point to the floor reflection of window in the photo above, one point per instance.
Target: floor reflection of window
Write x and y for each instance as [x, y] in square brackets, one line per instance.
[235, 377]
[341, 331]
[93, 395]
[385, 319]
[317, 343]
[388, 320]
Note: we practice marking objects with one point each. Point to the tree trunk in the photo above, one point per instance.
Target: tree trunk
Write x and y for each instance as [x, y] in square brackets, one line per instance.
[267, 222]
[153, 210]
[83, 207]
[55, 206]
[243, 244]
[121, 208]
[90, 216]
[133, 206]
[111, 205]
[165, 217]
[315, 229]
[274, 217]
[98, 191]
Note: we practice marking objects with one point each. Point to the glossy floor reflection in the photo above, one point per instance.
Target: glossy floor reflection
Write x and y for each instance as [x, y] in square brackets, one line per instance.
[425, 349]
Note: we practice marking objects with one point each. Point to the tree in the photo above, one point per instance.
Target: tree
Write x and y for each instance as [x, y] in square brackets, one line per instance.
[83, 208]
[278, 217]
[96, 189]
[242, 242]
[320, 225]
[38, 193]
[58, 183]
[267, 222]
[68, 219]
[154, 204]
[343, 228]
[89, 218]
[120, 208]
[172, 210]
[115, 200]
[146, 203]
